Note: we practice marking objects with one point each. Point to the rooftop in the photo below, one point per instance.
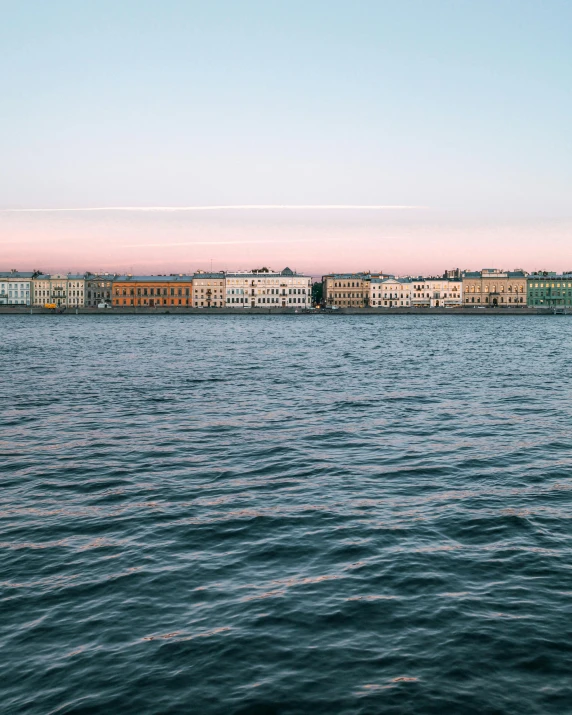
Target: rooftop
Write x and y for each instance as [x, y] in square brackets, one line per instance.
[18, 275]
[153, 279]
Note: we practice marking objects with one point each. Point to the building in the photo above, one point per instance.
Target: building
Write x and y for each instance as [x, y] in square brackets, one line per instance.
[495, 288]
[549, 290]
[98, 289]
[59, 289]
[390, 292]
[16, 288]
[268, 289]
[153, 291]
[437, 292]
[209, 290]
[348, 290]
[454, 273]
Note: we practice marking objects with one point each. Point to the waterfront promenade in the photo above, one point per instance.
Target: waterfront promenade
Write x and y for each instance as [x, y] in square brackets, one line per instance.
[27, 310]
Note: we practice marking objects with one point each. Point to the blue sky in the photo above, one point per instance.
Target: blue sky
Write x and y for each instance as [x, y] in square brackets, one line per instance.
[461, 107]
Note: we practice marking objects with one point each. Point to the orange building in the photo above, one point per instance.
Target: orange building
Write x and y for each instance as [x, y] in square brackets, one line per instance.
[153, 291]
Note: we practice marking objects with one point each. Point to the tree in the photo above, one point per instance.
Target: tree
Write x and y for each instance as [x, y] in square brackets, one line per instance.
[317, 293]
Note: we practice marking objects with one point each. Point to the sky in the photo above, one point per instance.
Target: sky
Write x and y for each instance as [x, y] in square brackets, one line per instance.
[405, 136]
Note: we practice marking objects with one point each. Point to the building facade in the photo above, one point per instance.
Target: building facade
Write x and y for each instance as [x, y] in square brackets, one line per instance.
[16, 288]
[495, 288]
[59, 289]
[209, 290]
[348, 290]
[390, 292]
[437, 292]
[98, 289]
[268, 289]
[549, 290]
[153, 291]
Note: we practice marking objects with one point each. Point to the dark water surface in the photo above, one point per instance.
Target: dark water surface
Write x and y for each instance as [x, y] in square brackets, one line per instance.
[285, 514]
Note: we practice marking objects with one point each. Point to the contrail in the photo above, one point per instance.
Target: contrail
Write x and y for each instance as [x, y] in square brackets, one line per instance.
[246, 207]
[207, 243]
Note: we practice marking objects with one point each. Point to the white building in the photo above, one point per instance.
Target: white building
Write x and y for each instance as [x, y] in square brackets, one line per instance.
[16, 288]
[268, 289]
[64, 291]
[437, 292]
[390, 292]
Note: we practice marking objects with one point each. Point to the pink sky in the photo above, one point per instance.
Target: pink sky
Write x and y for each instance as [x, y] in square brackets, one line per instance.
[401, 241]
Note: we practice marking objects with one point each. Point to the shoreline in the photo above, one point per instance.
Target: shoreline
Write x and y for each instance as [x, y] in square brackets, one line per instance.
[23, 310]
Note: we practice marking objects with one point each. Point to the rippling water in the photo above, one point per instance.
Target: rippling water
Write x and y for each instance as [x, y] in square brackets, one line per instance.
[285, 514]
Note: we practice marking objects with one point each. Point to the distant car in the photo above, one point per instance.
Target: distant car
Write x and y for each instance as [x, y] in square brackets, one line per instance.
[103, 306]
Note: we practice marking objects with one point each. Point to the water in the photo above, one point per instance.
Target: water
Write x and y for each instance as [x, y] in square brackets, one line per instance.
[285, 514]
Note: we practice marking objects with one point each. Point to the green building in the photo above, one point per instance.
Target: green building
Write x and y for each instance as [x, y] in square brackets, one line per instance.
[549, 290]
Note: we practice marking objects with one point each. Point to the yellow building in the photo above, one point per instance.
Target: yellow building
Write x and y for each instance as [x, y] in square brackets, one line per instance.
[348, 290]
[59, 289]
[152, 291]
[494, 288]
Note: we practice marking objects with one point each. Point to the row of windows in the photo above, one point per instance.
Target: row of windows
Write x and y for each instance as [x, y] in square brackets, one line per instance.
[436, 295]
[152, 291]
[265, 301]
[437, 286]
[265, 281]
[60, 295]
[494, 288]
[388, 295]
[144, 301]
[556, 293]
[391, 303]
[240, 281]
[215, 304]
[551, 285]
[501, 300]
